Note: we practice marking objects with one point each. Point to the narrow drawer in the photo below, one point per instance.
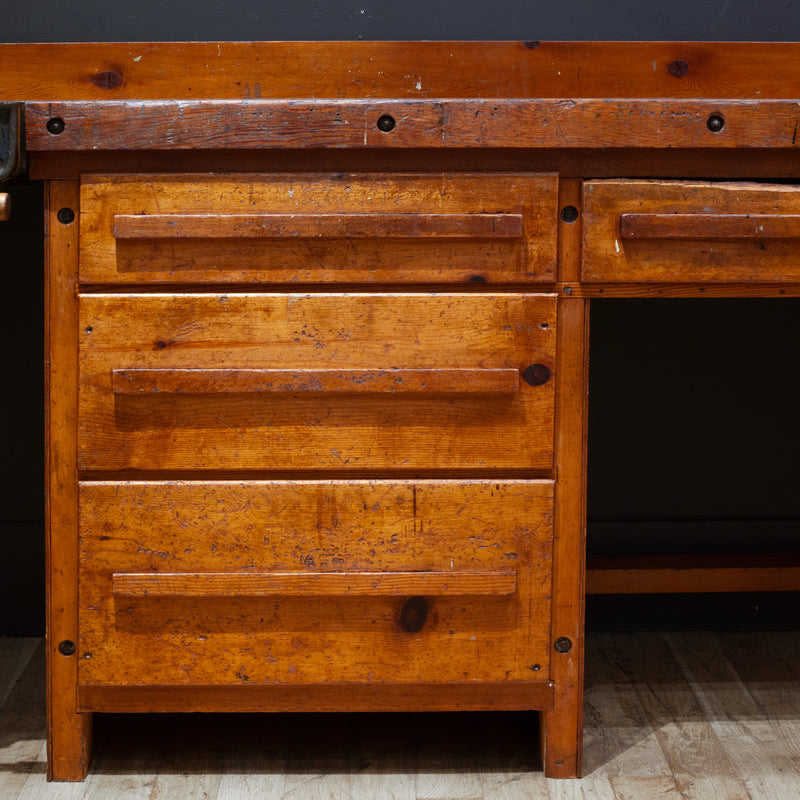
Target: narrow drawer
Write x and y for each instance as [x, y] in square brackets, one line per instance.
[682, 232]
[253, 583]
[307, 228]
[316, 382]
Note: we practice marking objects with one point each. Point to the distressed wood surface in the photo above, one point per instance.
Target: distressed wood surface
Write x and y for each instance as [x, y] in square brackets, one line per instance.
[446, 527]
[69, 732]
[440, 124]
[685, 254]
[314, 584]
[316, 431]
[562, 728]
[305, 226]
[238, 70]
[345, 381]
[338, 203]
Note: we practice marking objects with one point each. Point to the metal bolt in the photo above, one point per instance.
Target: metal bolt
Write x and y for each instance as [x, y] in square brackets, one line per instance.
[55, 125]
[66, 648]
[678, 68]
[66, 216]
[386, 123]
[715, 123]
[562, 645]
[569, 213]
[567, 290]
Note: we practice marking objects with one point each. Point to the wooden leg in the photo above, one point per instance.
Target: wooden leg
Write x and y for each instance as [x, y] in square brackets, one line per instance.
[69, 732]
[562, 728]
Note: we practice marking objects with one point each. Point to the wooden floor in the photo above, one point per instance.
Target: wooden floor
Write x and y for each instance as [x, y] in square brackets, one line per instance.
[684, 715]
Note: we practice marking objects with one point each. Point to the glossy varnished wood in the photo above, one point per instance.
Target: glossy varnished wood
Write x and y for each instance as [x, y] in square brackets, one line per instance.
[239, 70]
[690, 232]
[310, 228]
[297, 429]
[290, 601]
[69, 739]
[441, 124]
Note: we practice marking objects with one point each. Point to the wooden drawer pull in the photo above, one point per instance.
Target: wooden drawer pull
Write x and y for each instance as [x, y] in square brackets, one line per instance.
[321, 584]
[222, 381]
[709, 226]
[307, 226]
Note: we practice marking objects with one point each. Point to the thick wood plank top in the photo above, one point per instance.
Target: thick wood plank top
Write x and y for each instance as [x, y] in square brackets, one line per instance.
[411, 70]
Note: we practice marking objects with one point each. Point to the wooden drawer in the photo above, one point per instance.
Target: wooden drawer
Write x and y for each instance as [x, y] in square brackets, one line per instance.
[248, 583]
[317, 381]
[687, 232]
[318, 228]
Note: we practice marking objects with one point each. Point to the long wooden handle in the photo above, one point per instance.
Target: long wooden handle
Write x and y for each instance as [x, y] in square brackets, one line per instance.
[225, 381]
[319, 584]
[312, 226]
[709, 226]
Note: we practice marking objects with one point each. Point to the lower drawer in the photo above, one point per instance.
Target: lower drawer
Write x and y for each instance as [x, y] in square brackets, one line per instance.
[265, 582]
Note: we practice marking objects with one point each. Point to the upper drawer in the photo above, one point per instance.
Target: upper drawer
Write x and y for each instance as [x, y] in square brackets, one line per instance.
[680, 232]
[318, 228]
[316, 381]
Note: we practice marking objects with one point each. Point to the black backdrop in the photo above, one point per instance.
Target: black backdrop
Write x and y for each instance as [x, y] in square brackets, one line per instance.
[693, 420]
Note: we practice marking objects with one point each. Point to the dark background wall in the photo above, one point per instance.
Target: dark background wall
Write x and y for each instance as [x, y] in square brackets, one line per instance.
[693, 429]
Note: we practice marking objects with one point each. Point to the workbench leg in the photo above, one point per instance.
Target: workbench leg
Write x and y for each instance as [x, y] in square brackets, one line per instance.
[562, 728]
[68, 731]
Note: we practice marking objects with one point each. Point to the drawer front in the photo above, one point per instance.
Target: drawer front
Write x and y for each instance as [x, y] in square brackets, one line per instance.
[318, 228]
[675, 232]
[248, 583]
[316, 382]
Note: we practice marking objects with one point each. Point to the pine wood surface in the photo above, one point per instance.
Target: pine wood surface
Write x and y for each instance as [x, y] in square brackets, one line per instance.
[316, 431]
[307, 228]
[680, 716]
[299, 534]
[238, 70]
[689, 232]
[442, 124]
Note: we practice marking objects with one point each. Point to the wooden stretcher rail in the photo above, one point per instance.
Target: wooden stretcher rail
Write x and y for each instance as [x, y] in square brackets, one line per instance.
[445, 123]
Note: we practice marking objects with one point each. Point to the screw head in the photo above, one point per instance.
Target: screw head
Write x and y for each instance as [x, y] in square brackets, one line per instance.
[386, 123]
[67, 648]
[55, 126]
[66, 216]
[562, 645]
[678, 68]
[569, 214]
[715, 123]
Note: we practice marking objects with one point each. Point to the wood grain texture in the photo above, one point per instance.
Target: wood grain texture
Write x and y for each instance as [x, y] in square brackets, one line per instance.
[562, 729]
[315, 431]
[69, 732]
[340, 203]
[709, 226]
[343, 381]
[447, 527]
[305, 226]
[440, 124]
[687, 256]
[237, 70]
[421, 696]
[313, 584]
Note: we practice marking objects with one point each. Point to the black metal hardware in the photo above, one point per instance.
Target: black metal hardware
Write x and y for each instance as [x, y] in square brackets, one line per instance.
[66, 648]
[386, 123]
[715, 123]
[569, 213]
[562, 645]
[12, 140]
[65, 216]
[536, 374]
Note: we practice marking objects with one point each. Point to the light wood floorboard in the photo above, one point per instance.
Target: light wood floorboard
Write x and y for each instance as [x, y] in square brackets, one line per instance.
[678, 716]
